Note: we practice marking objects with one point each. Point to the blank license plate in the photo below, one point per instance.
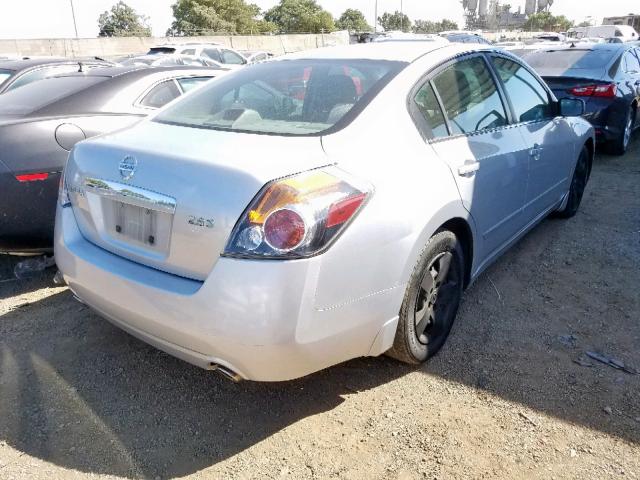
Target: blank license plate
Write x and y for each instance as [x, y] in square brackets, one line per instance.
[136, 223]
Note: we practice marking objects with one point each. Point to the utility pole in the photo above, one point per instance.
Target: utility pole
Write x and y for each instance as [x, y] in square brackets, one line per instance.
[401, 16]
[375, 20]
[73, 14]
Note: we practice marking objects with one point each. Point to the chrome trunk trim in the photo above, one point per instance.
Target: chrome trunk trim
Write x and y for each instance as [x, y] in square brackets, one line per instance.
[131, 195]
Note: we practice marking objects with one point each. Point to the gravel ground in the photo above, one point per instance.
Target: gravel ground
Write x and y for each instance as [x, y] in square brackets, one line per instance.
[504, 399]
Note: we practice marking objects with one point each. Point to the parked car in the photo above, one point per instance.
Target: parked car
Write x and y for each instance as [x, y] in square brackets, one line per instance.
[40, 123]
[606, 77]
[17, 73]
[226, 56]
[625, 32]
[255, 56]
[171, 60]
[464, 37]
[267, 235]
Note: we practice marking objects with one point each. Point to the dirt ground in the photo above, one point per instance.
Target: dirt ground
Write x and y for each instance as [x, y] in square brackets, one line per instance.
[504, 399]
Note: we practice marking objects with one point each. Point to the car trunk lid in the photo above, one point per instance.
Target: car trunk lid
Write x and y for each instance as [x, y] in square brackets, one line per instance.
[172, 203]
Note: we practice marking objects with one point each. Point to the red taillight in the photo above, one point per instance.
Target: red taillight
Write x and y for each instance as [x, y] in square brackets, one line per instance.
[603, 91]
[284, 229]
[342, 211]
[32, 177]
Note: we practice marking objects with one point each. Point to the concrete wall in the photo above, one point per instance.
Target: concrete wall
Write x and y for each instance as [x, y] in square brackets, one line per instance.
[110, 46]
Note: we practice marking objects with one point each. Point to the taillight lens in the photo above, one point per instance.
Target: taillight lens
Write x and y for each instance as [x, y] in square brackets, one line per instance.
[606, 91]
[298, 216]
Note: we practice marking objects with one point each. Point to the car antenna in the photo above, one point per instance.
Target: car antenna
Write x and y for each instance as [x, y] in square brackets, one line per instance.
[80, 67]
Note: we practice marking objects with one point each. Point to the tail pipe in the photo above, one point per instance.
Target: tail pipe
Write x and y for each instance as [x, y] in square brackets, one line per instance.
[226, 372]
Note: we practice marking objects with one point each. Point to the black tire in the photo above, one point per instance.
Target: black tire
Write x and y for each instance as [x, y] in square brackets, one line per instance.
[620, 145]
[434, 309]
[578, 185]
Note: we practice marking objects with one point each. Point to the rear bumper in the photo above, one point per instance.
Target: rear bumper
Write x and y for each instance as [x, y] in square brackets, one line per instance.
[27, 213]
[256, 318]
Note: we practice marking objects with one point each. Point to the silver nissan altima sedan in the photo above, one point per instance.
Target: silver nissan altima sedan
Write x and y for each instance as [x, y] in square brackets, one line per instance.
[327, 205]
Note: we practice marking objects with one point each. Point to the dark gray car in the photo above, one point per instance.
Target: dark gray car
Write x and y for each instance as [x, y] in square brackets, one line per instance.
[17, 73]
[40, 123]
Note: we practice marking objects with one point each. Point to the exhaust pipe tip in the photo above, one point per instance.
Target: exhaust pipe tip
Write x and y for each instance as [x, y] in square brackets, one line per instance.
[226, 372]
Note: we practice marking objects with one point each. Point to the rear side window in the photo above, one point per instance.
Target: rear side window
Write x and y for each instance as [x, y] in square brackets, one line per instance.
[429, 107]
[4, 74]
[529, 98]
[191, 82]
[470, 97]
[631, 63]
[161, 94]
[43, 73]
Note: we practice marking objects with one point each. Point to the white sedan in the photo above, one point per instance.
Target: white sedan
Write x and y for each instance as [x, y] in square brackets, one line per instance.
[323, 206]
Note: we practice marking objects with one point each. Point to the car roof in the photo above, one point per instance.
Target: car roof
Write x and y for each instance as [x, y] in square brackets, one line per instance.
[392, 51]
[134, 71]
[25, 63]
[98, 95]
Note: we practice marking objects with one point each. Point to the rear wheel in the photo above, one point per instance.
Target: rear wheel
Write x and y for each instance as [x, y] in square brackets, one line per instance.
[620, 145]
[431, 300]
[578, 185]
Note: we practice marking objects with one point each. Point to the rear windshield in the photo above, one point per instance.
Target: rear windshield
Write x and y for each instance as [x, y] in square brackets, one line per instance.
[288, 97]
[39, 94]
[4, 74]
[572, 59]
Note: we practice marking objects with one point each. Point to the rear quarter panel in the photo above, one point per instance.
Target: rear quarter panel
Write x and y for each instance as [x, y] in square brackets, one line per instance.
[414, 194]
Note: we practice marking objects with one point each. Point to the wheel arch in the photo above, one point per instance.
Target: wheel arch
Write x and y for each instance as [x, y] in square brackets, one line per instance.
[591, 147]
[462, 230]
[456, 219]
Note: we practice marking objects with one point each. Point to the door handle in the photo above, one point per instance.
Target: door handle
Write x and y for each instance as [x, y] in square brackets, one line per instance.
[469, 168]
[535, 152]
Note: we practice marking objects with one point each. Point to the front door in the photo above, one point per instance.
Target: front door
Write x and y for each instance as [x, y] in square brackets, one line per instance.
[551, 156]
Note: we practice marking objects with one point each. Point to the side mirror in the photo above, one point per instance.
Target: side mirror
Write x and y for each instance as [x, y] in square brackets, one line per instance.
[571, 107]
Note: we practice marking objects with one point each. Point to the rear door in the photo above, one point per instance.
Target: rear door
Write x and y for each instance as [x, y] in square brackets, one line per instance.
[467, 124]
[547, 137]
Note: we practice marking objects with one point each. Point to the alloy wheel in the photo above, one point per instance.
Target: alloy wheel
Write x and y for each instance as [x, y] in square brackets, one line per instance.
[436, 299]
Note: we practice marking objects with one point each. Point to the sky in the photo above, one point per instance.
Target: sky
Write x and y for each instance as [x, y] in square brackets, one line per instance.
[53, 19]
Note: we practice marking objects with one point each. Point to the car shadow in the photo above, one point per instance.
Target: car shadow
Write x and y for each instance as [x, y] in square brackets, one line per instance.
[83, 394]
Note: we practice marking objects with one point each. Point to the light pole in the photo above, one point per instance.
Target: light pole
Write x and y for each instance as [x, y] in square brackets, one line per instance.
[73, 14]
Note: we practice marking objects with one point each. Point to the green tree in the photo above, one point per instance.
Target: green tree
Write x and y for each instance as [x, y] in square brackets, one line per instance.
[123, 21]
[545, 21]
[300, 16]
[427, 26]
[354, 21]
[395, 21]
[208, 17]
[424, 26]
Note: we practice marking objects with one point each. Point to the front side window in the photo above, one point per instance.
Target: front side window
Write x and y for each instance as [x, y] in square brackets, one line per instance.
[291, 97]
[529, 98]
[232, 58]
[470, 97]
[161, 94]
[213, 54]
